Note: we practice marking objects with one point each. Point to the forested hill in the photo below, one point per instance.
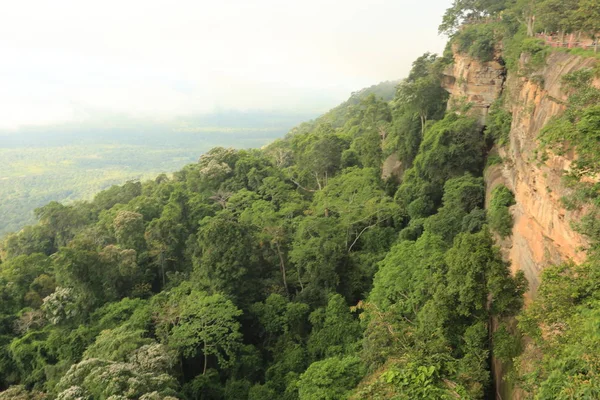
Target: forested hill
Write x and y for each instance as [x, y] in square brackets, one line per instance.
[234, 278]
[295, 272]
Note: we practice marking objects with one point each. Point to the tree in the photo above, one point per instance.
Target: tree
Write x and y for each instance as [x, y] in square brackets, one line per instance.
[117, 344]
[20, 393]
[25, 281]
[208, 324]
[117, 195]
[272, 230]
[318, 157]
[129, 230]
[166, 235]
[461, 196]
[330, 379]
[226, 253]
[588, 19]
[422, 91]
[30, 240]
[318, 248]
[555, 15]
[407, 277]
[480, 279]
[450, 148]
[499, 217]
[335, 330]
[60, 305]
[62, 220]
[563, 323]
[356, 200]
[469, 11]
[103, 379]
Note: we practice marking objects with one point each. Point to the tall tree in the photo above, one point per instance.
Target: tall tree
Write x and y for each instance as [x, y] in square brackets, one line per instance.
[208, 324]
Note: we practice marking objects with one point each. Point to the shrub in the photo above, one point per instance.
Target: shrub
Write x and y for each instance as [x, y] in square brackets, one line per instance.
[478, 41]
[330, 379]
[498, 123]
[499, 216]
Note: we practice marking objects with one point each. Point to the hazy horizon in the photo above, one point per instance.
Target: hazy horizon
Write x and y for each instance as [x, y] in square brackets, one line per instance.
[90, 63]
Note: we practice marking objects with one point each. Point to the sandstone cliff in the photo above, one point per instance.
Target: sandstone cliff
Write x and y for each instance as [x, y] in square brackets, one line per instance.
[472, 81]
[543, 232]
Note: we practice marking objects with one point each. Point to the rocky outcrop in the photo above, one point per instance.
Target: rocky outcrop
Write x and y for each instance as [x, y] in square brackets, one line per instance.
[471, 81]
[543, 232]
[392, 167]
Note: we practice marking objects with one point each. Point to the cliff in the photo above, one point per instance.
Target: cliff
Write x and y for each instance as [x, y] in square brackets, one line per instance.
[542, 234]
[472, 81]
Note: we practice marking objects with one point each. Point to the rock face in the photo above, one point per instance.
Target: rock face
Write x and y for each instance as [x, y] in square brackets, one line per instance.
[471, 81]
[543, 234]
[392, 167]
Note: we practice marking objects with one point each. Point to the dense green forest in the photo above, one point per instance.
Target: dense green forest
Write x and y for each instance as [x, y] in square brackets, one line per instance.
[73, 162]
[296, 272]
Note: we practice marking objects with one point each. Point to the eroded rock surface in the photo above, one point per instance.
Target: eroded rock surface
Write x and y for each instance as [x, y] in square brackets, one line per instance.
[543, 233]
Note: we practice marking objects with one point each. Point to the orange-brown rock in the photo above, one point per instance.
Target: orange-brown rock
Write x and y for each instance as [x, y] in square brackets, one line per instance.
[543, 233]
[471, 81]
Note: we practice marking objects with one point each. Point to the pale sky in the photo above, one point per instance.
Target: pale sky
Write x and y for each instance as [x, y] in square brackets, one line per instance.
[75, 60]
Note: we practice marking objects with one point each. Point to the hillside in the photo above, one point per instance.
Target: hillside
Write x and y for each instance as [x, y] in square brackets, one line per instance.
[309, 270]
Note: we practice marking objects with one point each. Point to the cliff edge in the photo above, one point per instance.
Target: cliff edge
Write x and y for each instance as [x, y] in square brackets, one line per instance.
[542, 234]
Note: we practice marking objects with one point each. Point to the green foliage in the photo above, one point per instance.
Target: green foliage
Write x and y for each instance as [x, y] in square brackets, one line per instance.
[478, 41]
[21, 393]
[499, 216]
[470, 11]
[493, 159]
[409, 308]
[287, 272]
[413, 381]
[410, 270]
[335, 330]
[462, 196]
[537, 53]
[208, 324]
[506, 344]
[116, 344]
[421, 93]
[419, 99]
[226, 252]
[498, 123]
[330, 379]
[577, 130]
[101, 379]
[563, 321]
[450, 148]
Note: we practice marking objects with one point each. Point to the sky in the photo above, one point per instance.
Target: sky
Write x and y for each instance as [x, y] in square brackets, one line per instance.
[65, 61]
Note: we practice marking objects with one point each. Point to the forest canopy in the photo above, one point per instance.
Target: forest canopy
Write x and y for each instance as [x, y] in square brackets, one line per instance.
[302, 271]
